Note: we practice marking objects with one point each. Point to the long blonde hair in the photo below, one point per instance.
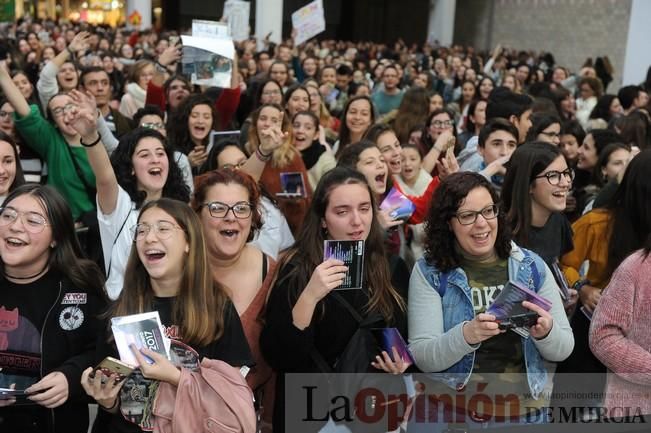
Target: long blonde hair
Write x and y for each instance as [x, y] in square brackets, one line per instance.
[199, 307]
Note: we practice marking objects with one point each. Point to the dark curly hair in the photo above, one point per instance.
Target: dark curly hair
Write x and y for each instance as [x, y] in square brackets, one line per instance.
[175, 186]
[177, 127]
[440, 240]
[227, 176]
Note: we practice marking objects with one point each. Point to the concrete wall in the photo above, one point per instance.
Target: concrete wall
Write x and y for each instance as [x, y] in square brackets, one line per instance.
[570, 29]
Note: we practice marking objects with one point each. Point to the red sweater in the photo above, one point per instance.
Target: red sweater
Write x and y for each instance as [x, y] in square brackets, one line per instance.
[226, 104]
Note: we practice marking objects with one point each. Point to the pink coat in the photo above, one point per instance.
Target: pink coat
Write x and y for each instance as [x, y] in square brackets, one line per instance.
[216, 399]
[620, 337]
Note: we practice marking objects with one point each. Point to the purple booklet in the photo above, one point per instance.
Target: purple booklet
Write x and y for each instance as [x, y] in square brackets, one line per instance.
[352, 254]
[508, 305]
[387, 338]
[293, 185]
[396, 198]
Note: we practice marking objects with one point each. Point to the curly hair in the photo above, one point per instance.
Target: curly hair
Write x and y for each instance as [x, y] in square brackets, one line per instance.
[440, 240]
[226, 177]
[177, 127]
[175, 186]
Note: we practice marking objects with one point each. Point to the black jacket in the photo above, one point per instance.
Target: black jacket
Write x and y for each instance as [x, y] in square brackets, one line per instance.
[68, 341]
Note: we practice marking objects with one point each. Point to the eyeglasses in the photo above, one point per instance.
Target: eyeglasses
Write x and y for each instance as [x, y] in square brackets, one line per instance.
[32, 221]
[163, 230]
[554, 176]
[234, 166]
[150, 125]
[552, 134]
[468, 217]
[218, 209]
[442, 123]
[271, 92]
[6, 113]
[60, 111]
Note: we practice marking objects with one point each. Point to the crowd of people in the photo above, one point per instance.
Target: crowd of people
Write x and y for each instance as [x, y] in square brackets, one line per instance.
[126, 189]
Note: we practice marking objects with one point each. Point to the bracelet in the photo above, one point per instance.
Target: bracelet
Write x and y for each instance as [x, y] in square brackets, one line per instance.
[261, 156]
[161, 68]
[579, 284]
[113, 406]
[99, 137]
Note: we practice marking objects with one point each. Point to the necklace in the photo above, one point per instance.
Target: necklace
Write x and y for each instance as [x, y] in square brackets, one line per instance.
[25, 278]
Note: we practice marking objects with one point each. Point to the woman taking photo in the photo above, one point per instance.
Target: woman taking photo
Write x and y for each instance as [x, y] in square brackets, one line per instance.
[168, 272]
[42, 272]
[227, 202]
[469, 257]
[189, 128]
[303, 315]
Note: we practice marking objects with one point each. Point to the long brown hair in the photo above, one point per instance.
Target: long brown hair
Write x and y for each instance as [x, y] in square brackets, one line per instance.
[285, 154]
[200, 304]
[307, 253]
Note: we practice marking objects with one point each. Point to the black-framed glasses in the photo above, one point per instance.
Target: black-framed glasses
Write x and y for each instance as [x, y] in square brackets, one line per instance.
[442, 123]
[240, 209]
[4, 113]
[554, 176]
[551, 134]
[163, 230]
[468, 217]
[32, 221]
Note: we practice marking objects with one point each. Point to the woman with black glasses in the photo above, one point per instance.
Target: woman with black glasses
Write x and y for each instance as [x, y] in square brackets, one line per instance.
[228, 205]
[536, 186]
[469, 258]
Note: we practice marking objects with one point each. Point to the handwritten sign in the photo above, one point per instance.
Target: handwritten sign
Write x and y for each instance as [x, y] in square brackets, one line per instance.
[209, 29]
[308, 21]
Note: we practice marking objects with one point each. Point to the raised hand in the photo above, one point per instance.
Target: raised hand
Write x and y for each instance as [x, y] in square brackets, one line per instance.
[326, 277]
[80, 42]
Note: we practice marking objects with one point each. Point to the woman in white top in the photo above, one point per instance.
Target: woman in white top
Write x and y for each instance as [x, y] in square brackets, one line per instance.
[146, 169]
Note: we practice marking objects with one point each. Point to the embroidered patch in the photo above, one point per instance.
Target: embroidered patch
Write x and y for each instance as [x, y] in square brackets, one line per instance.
[74, 298]
[71, 318]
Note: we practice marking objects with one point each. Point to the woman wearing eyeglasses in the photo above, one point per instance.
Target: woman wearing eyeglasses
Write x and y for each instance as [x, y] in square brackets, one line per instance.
[168, 272]
[545, 127]
[228, 205]
[536, 186]
[469, 257]
[50, 300]
[142, 168]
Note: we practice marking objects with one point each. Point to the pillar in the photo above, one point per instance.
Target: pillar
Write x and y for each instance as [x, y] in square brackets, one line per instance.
[638, 56]
[269, 18]
[441, 21]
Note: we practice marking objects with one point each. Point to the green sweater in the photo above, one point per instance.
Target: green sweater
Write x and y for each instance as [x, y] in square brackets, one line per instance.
[48, 142]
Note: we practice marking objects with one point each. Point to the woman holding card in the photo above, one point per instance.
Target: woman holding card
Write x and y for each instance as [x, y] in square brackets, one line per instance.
[303, 316]
[168, 272]
[50, 302]
[270, 119]
[469, 257]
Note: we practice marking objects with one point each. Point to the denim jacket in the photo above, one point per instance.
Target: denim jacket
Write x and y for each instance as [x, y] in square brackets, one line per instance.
[453, 288]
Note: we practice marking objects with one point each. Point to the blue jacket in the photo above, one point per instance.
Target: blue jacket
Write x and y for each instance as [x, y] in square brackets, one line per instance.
[437, 346]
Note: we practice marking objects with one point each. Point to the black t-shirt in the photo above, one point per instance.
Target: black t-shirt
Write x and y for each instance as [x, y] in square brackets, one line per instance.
[23, 309]
[138, 393]
[553, 239]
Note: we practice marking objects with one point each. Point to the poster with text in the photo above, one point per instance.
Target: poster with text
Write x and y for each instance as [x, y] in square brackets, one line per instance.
[308, 21]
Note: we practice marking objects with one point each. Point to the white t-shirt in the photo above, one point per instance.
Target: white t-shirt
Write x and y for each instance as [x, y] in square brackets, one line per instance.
[115, 232]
